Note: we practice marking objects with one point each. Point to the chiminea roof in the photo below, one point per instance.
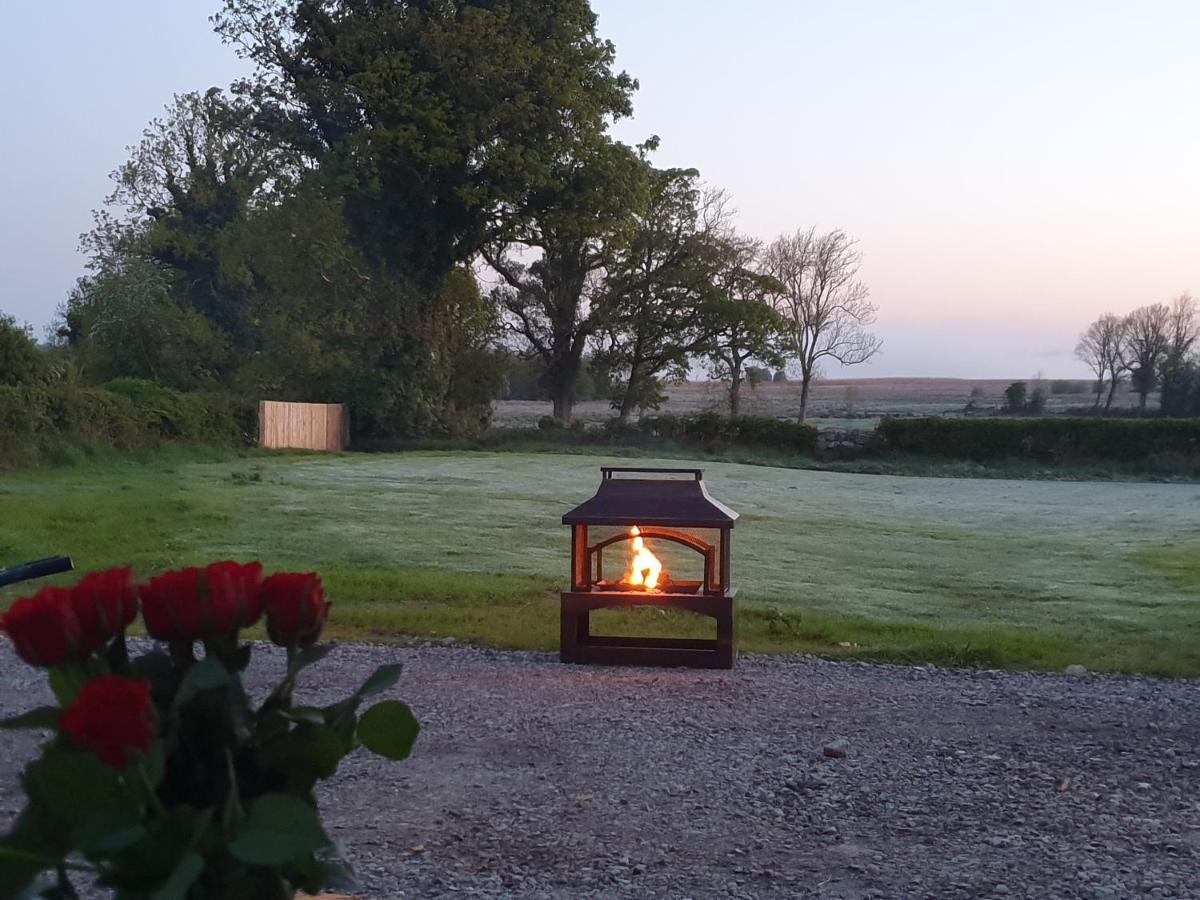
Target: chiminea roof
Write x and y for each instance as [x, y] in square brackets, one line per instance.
[654, 498]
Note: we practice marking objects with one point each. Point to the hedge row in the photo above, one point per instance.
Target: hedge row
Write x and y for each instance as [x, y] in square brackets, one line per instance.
[130, 414]
[713, 431]
[709, 431]
[1044, 440]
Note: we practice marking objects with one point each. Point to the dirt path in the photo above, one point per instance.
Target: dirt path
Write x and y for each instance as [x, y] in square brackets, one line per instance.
[537, 779]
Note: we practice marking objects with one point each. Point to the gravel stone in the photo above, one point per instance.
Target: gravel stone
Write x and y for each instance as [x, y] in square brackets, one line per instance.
[536, 779]
[836, 749]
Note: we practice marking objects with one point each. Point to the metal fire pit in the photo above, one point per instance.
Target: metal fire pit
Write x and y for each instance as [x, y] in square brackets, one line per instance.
[671, 512]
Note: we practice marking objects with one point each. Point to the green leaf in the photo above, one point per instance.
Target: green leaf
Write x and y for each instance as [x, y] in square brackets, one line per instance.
[154, 764]
[389, 728]
[304, 754]
[66, 789]
[107, 833]
[20, 863]
[281, 829]
[306, 656]
[66, 682]
[185, 872]
[157, 859]
[381, 679]
[206, 675]
[43, 718]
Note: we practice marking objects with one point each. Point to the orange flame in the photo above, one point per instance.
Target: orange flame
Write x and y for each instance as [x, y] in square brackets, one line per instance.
[644, 567]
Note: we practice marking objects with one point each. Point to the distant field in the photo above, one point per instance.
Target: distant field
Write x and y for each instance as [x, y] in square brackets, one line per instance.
[984, 572]
[845, 403]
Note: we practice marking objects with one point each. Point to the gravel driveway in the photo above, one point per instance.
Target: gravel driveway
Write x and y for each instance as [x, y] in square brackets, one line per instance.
[537, 779]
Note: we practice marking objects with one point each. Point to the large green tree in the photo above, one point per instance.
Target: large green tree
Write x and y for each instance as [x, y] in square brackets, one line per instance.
[441, 126]
[194, 179]
[439, 121]
[657, 283]
[553, 293]
[741, 325]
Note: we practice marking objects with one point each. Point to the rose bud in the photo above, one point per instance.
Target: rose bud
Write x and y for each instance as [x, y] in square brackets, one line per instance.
[296, 608]
[192, 604]
[43, 628]
[233, 596]
[112, 717]
[104, 604]
[171, 604]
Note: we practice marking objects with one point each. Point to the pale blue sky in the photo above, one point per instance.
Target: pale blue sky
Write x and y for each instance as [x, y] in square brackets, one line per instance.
[1011, 169]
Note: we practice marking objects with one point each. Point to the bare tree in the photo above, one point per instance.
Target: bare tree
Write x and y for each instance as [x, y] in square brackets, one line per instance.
[1176, 370]
[826, 308]
[1183, 326]
[1102, 348]
[1148, 337]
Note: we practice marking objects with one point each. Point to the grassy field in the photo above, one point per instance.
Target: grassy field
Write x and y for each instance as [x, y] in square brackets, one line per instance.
[954, 571]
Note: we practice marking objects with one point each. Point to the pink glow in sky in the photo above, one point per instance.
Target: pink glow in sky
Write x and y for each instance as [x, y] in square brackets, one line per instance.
[1012, 169]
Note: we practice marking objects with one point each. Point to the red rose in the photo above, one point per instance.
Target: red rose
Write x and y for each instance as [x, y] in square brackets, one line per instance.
[111, 716]
[233, 596]
[104, 604]
[171, 604]
[296, 608]
[43, 628]
[192, 603]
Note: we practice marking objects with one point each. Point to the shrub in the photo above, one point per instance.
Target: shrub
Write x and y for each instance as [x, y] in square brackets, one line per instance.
[133, 414]
[1014, 397]
[21, 362]
[1044, 440]
[714, 431]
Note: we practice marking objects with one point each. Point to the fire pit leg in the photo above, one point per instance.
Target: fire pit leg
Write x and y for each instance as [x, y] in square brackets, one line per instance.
[574, 629]
[726, 649]
[579, 645]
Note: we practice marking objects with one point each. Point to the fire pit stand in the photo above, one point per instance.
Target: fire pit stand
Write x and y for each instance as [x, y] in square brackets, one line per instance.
[634, 510]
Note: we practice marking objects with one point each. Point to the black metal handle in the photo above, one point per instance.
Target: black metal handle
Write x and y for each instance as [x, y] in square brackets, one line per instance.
[608, 471]
[39, 568]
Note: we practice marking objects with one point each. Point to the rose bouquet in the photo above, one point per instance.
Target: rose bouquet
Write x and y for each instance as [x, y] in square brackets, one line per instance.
[161, 779]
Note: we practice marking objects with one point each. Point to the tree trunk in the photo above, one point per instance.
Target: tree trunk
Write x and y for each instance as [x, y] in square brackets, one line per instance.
[735, 388]
[805, 382]
[628, 400]
[1112, 390]
[562, 380]
[631, 386]
[564, 402]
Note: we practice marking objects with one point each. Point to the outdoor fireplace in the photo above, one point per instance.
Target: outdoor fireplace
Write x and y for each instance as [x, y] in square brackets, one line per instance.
[651, 538]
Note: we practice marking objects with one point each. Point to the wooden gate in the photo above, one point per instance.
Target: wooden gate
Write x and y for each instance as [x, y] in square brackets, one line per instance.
[303, 426]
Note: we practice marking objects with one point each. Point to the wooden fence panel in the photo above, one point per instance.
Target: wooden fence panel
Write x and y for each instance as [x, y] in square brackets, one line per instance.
[303, 426]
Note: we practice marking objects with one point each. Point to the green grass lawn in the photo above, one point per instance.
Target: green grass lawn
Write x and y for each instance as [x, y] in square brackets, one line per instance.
[984, 572]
